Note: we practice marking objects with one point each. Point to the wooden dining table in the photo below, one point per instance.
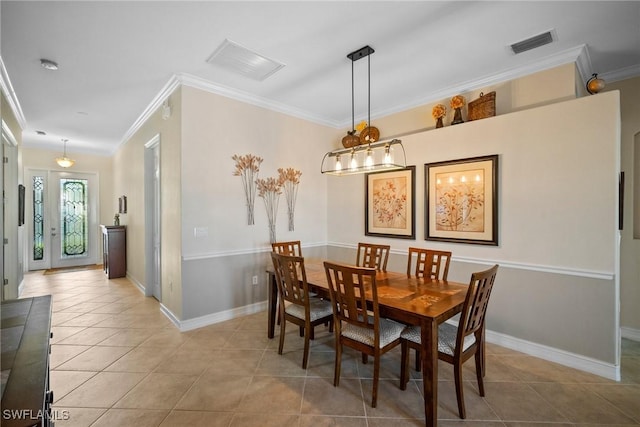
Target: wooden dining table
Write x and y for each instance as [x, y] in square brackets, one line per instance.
[423, 302]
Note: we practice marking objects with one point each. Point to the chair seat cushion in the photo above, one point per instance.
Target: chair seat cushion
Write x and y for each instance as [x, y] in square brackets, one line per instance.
[389, 331]
[446, 337]
[319, 308]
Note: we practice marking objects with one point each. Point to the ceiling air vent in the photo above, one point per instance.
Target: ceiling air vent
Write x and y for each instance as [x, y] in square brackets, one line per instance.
[233, 57]
[532, 42]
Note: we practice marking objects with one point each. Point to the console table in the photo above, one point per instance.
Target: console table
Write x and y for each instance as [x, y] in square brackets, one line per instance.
[26, 331]
[114, 250]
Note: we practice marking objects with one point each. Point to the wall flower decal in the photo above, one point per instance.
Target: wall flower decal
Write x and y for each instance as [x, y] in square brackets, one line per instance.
[290, 178]
[247, 167]
[270, 189]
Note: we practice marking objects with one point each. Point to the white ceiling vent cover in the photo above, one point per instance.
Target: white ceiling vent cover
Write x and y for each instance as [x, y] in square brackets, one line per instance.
[236, 58]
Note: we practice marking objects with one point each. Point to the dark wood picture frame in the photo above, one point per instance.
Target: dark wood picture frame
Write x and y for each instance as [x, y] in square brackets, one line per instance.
[390, 205]
[122, 204]
[461, 200]
[621, 201]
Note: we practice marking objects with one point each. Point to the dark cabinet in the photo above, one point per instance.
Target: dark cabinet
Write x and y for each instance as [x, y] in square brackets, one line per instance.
[114, 250]
[26, 331]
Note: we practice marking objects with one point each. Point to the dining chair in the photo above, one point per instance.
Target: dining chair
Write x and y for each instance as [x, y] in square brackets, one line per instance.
[456, 345]
[429, 262]
[295, 304]
[287, 248]
[357, 325]
[373, 256]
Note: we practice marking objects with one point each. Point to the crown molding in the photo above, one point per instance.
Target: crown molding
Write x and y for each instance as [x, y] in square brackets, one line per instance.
[578, 55]
[10, 93]
[206, 85]
[567, 56]
[166, 91]
[621, 74]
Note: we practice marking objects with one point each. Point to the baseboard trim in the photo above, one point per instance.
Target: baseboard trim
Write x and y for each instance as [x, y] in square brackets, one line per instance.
[139, 285]
[20, 288]
[630, 333]
[164, 310]
[572, 360]
[213, 318]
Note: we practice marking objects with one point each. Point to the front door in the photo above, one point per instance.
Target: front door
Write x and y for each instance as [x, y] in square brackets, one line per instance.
[63, 228]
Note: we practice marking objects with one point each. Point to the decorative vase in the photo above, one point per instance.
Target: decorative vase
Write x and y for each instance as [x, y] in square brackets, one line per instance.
[351, 139]
[439, 123]
[457, 116]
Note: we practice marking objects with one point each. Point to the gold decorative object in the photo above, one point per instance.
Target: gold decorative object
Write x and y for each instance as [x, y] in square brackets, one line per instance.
[595, 84]
[457, 102]
[369, 135]
[350, 140]
[438, 112]
[483, 107]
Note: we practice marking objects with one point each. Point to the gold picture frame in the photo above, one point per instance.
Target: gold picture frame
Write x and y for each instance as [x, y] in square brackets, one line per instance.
[461, 198]
[390, 203]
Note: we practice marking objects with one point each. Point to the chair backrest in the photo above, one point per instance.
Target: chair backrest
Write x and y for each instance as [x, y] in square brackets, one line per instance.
[429, 262]
[291, 278]
[292, 248]
[348, 286]
[373, 256]
[475, 304]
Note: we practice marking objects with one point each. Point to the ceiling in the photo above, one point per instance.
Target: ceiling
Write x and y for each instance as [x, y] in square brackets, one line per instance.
[116, 57]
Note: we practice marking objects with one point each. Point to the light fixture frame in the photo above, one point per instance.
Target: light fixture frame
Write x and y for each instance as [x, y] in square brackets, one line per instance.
[329, 161]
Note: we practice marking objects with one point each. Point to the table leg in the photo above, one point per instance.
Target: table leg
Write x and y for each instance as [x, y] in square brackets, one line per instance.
[429, 336]
[271, 307]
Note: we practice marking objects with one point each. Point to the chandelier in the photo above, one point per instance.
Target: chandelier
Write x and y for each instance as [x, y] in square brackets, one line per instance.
[64, 161]
[364, 154]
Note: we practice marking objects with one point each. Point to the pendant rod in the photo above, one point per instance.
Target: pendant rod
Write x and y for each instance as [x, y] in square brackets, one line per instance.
[369, 94]
[353, 113]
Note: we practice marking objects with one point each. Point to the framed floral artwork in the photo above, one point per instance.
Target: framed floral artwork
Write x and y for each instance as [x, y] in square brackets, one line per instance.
[461, 199]
[390, 203]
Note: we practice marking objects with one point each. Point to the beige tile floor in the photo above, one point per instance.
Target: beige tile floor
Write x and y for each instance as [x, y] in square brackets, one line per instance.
[117, 361]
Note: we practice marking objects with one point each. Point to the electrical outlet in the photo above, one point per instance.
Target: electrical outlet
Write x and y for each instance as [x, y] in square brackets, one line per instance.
[254, 280]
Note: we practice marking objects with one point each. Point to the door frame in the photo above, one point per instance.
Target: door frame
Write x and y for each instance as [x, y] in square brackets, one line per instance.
[94, 234]
[152, 216]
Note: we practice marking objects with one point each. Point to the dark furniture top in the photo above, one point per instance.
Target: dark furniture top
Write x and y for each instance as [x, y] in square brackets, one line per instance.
[26, 330]
[419, 301]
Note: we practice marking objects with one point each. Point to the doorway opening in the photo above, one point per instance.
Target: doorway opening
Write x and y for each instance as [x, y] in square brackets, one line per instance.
[152, 218]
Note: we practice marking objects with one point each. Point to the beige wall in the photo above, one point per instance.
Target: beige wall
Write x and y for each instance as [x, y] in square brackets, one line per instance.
[630, 244]
[36, 158]
[543, 88]
[557, 220]
[129, 180]
[218, 268]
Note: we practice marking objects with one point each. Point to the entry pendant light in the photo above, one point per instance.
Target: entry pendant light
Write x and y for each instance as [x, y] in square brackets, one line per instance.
[372, 155]
[64, 161]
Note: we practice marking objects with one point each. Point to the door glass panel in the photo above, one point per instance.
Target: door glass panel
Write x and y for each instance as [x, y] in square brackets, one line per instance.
[38, 218]
[74, 221]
